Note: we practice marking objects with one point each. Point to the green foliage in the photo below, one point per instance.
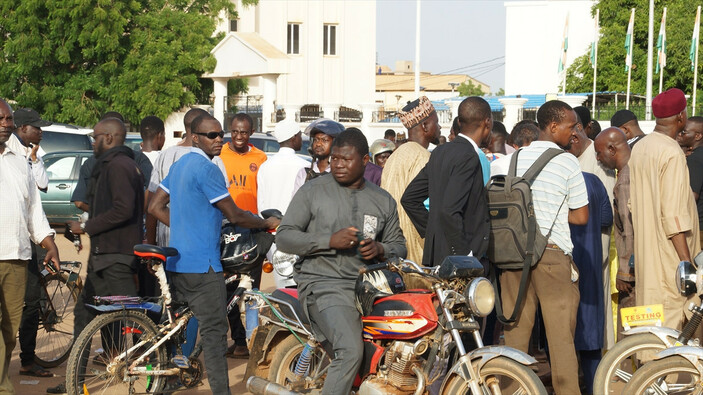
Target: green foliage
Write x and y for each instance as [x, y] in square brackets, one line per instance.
[614, 16]
[468, 88]
[73, 60]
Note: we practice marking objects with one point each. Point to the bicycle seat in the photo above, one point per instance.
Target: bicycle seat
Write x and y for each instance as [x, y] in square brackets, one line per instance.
[152, 251]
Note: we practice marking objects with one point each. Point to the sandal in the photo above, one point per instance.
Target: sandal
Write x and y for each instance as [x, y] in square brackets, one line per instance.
[35, 371]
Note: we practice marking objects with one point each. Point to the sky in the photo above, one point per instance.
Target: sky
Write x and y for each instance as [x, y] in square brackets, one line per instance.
[457, 37]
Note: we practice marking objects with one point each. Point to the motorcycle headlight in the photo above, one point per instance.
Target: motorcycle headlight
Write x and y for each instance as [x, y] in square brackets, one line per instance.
[480, 296]
[686, 278]
[283, 263]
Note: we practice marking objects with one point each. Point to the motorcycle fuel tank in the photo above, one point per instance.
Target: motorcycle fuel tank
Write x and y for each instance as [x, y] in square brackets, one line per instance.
[406, 315]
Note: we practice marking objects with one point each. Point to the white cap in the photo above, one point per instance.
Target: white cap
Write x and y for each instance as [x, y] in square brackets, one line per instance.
[285, 129]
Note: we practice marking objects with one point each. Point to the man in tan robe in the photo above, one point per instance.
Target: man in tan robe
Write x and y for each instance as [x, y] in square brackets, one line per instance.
[420, 118]
[664, 215]
[614, 153]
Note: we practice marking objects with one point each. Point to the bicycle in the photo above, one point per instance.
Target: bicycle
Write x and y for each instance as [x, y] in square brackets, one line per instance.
[123, 351]
[59, 293]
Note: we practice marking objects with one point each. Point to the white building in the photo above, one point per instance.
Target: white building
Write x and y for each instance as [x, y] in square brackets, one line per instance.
[534, 31]
[299, 52]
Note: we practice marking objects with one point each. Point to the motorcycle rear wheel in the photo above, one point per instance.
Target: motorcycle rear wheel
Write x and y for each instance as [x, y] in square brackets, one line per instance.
[672, 376]
[619, 363]
[512, 378]
[285, 357]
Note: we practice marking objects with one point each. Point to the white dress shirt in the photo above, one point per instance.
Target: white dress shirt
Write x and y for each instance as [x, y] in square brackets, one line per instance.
[38, 170]
[303, 174]
[21, 217]
[276, 180]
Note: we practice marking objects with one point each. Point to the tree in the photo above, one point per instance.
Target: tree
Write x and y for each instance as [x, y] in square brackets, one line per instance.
[614, 17]
[72, 60]
[467, 88]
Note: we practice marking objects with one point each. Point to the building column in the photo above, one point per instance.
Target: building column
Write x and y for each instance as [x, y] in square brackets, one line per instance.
[513, 111]
[268, 102]
[331, 111]
[573, 100]
[292, 111]
[367, 110]
[220, 93]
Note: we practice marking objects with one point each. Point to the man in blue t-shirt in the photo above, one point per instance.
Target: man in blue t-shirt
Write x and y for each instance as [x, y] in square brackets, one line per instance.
[191, 200]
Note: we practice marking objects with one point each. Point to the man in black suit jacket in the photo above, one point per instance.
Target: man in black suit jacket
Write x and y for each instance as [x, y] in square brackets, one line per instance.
[457, 222]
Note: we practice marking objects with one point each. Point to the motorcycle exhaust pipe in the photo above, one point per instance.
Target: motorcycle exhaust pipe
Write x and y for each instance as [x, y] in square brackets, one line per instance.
[259, 386]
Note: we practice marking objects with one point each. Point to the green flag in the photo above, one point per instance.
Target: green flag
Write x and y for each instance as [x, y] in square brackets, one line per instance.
[694, 41]
[628, 41]
[661, 44]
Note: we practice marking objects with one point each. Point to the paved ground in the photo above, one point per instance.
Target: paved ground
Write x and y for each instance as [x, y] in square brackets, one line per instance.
[31, 385]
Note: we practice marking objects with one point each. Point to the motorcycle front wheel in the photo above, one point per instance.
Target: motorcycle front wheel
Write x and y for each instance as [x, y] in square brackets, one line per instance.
[672, 376]
[285, 357]
[618, 364]
[500, 376]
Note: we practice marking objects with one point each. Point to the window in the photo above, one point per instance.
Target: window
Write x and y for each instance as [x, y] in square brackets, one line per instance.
[293, 38]
[233, 25]
[60, 167]
[329, 40]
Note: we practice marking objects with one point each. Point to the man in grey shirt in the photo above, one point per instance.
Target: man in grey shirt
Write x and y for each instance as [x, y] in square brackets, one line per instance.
[339, 223]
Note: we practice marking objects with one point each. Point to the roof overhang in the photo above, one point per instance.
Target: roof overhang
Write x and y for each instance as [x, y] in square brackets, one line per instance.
[247, 55]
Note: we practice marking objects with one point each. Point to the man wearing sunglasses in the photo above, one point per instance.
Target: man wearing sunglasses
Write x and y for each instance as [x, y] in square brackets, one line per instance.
[192, 200]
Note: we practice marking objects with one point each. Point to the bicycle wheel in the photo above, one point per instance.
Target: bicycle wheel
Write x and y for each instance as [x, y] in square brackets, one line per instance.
[106, 348]
[55, 331]
[671, 375]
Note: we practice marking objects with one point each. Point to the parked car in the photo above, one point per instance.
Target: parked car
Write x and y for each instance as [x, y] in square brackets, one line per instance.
[63, 169]
[267, 143]
[133, 141]
[63, 137]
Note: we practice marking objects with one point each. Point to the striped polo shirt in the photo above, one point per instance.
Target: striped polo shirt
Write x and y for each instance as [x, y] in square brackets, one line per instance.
[560, 181]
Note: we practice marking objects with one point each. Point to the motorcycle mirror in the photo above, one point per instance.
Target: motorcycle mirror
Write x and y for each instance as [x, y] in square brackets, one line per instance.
[686, 278]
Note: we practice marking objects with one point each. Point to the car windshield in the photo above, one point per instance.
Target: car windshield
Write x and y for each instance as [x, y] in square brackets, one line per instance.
[56, 141]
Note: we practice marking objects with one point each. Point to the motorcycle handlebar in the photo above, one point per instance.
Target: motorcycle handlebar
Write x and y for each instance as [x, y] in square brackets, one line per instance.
[373, 268]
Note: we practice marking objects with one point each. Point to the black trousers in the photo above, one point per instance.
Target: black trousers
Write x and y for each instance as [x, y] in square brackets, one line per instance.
[115, 279]
[30, 314]
[205, 295]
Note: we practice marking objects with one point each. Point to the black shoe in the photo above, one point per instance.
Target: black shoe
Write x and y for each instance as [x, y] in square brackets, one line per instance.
[59, 389]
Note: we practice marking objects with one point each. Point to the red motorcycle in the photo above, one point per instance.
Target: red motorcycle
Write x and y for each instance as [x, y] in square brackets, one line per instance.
[413, 318]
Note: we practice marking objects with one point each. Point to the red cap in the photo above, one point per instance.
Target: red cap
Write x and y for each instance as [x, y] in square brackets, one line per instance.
[669, 103]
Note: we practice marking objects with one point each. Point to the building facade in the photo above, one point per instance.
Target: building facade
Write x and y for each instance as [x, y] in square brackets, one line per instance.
[296, 53]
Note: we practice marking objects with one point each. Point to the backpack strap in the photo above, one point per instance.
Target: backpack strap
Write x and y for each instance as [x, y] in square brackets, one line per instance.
[539, 164]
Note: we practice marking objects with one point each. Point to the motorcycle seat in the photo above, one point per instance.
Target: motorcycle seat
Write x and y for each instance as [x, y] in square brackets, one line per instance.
[293, 301]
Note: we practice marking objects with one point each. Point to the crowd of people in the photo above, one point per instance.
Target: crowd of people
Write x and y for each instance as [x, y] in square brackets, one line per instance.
[391, 198]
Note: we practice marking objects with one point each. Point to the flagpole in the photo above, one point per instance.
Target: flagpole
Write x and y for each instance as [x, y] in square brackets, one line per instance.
[695, 62]
[629, 68]
[595, 63]
[417, 51]
[650, 47]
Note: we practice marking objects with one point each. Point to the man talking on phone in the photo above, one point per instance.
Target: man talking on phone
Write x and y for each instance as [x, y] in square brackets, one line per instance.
[338, 224]
[21, 219]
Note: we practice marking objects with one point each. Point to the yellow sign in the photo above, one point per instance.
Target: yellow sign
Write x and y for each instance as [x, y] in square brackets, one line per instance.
[642, 315]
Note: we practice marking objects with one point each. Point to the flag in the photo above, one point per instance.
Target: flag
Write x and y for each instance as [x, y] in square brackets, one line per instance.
[594, 43]
[564, 45]
[628, 41]
[661, 44]
[694, 39]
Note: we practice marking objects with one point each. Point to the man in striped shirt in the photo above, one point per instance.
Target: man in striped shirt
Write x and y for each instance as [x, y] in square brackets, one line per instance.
[560, 198]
